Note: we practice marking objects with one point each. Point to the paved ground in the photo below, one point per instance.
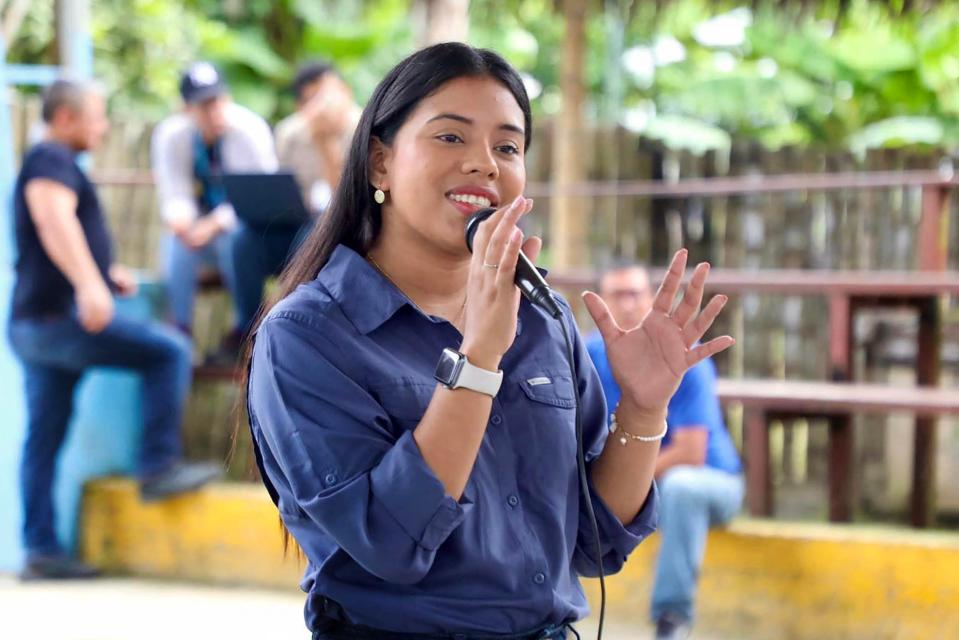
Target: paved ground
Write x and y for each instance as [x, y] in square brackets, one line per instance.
[135, 609]
[127, 609]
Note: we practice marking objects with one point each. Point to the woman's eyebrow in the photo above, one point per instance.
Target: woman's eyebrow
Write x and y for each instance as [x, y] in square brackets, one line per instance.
[465, 120]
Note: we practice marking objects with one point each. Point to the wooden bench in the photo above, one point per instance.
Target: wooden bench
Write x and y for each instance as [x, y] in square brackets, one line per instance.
[766, 400]
[848, 293]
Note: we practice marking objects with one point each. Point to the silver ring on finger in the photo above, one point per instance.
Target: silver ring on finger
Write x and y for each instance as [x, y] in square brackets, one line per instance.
[490, 266]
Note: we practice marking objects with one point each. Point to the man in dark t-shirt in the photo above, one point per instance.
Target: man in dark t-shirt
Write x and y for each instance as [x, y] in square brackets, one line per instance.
[63, 322]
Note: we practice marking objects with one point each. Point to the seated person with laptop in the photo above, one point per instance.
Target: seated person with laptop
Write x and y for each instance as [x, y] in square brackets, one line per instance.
[273, 222]
[191, 151]
[311, 143]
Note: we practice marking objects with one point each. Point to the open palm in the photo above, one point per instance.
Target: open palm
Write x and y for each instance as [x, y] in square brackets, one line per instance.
[650, 360]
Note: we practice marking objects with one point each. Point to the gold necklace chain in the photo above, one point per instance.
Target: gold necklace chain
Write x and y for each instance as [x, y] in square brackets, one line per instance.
[387, 276]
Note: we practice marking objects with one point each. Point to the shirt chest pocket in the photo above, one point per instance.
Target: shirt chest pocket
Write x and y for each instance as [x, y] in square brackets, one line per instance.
[546, 407]
[552, 390]
[549, 400]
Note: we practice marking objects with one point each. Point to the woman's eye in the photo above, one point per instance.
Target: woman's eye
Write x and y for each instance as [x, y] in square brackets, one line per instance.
[449, 137]
[508, 148]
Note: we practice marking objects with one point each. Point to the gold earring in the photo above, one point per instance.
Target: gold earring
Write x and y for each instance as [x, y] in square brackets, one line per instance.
[380, 196]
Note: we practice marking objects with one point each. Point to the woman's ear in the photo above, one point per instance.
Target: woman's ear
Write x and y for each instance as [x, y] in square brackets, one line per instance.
[380, 160]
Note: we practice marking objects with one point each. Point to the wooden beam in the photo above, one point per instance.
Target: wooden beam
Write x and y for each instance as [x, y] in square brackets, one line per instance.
[568, 230]
[922, 508]
[841, 460]
[740, 185]
[707, 187]
[840, 337]
[884, 287]
[933, 228]
[759, 495]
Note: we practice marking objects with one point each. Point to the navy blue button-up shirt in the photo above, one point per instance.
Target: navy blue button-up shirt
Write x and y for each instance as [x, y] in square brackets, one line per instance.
[342, 373]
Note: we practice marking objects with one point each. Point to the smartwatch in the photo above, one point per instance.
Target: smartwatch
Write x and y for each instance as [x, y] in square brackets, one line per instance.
[454, 371]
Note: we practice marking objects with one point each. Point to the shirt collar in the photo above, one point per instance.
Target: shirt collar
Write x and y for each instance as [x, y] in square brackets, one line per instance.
[364, 294]
[366, 297]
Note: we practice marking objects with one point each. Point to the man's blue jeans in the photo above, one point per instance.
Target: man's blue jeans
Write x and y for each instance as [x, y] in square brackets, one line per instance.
[55, 353]
[692, 499]
[181, 266]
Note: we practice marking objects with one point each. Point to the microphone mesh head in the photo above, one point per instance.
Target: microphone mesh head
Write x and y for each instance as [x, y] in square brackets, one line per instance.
[474, 222]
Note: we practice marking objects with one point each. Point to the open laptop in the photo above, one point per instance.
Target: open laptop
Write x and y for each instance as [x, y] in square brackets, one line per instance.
[266, 199]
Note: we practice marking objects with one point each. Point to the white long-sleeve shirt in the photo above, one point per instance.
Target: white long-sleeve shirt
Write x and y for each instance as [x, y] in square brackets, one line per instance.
[246, 147]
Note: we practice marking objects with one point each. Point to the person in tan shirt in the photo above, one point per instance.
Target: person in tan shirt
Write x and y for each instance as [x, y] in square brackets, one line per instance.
[312, 142]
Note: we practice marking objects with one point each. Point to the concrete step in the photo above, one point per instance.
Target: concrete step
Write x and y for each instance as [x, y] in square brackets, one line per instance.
[761, 579]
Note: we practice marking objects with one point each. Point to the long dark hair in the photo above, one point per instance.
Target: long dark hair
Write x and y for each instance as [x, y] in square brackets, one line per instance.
[353, 218]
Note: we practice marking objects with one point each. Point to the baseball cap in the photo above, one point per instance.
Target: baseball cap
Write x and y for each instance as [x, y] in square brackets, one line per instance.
[201, 81]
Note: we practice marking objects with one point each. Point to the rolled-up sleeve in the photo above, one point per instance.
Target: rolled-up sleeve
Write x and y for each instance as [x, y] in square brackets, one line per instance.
[331, 453]
[617, 540]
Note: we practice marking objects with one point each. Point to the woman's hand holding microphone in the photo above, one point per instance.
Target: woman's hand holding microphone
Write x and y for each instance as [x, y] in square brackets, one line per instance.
[648, 361]
[492, 298]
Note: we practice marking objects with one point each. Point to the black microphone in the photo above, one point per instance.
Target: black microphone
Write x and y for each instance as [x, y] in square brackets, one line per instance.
[528, 279]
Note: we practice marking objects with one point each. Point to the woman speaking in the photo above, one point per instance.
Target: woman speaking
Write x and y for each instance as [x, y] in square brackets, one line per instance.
[414, 418]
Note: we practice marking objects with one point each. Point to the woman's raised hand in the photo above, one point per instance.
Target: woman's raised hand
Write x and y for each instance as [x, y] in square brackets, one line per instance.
[649, 361]
[492, 298]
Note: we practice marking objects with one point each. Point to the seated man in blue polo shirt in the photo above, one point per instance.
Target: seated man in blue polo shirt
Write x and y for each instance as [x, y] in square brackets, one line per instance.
[698, 470]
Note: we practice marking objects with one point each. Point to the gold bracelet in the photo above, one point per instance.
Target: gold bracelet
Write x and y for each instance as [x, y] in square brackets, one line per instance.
[626, 436]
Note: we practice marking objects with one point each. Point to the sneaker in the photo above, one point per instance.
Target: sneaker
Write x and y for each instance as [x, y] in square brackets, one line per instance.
[672, 627]
[182, 477]
[56, 567]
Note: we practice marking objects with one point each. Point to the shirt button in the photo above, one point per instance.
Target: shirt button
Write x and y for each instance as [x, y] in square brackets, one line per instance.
[330, 479]
[496, 419]
[513, 501]
[539, 578]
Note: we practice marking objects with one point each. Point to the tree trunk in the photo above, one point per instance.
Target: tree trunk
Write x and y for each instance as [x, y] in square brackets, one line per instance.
[440, 21]
[568, 229]
[14, 13]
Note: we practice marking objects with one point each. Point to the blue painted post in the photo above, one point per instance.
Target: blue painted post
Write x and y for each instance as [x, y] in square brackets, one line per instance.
[76, 47]
[11, 396]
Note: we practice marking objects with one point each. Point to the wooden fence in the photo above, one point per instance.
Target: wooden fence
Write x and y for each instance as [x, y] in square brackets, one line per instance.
[853, 227]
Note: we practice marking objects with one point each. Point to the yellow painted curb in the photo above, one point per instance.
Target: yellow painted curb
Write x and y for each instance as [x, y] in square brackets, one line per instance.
[760, 579]
[788, 580]
[226, 533]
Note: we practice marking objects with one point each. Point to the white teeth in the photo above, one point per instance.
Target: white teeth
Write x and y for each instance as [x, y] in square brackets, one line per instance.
[478, 201]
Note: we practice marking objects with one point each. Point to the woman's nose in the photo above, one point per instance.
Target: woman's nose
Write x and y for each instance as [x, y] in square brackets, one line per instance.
[480, 160]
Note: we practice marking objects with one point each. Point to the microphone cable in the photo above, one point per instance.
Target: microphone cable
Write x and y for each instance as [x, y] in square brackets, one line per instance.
[583, 480]
[541, 297]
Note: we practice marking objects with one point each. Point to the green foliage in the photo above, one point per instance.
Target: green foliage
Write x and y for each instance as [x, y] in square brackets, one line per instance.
[694, 73]
[873, 78]
[141, 46]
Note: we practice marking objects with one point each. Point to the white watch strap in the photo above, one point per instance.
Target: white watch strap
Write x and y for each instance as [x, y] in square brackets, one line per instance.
[477, 379]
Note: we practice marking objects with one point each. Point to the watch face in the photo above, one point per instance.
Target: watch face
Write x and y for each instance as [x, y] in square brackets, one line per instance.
[448, 367]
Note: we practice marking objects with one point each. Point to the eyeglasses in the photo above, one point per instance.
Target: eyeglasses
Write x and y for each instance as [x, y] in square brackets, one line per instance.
[627, 295]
